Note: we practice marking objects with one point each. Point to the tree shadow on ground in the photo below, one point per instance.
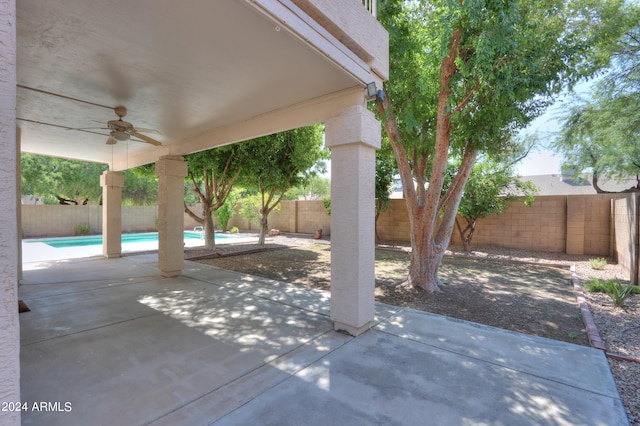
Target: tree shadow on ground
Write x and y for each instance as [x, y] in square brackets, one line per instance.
[526, 298]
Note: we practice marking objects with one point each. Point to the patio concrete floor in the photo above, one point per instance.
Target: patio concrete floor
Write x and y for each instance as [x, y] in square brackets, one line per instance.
[110, 342]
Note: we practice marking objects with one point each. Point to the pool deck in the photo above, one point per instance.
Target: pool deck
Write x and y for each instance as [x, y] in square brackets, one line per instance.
[111, 342]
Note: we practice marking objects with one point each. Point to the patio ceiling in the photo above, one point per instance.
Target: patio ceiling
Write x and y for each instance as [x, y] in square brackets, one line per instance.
[182, 68]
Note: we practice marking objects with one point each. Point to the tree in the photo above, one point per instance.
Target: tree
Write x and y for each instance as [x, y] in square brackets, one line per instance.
[140, 188]
[278, 162]
[316, 188]
[63, 181]
[212, 173]
[226, 211]
[465, 76]
[386, 169]
[68, 181]
[490, 188]
[601, 133]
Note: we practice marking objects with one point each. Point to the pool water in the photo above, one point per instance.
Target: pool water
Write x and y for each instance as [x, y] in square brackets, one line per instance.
[96, 240]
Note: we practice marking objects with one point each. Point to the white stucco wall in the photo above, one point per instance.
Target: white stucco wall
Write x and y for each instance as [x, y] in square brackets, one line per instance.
[9, 325]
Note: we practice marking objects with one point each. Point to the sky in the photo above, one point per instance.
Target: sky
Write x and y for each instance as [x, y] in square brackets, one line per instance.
[542, 161]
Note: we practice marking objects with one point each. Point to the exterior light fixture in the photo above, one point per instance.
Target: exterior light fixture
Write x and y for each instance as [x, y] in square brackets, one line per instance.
[372, 90]
[373, 93]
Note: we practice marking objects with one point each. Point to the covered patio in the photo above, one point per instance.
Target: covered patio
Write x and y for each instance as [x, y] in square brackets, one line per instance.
[128, 84]
[157, 340]
[110, 341]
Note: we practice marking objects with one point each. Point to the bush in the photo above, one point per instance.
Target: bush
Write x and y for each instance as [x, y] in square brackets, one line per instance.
[614, 288]
[235, 230]
[81, 229]
[327, 204]
[225, 212]
[598, 263]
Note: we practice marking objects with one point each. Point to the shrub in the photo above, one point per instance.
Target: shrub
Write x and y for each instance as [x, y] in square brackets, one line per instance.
[327, 204]
[225, 212]
[598, 263]
[235, 230]
[596, 285]
[81, 229]
[614, 288]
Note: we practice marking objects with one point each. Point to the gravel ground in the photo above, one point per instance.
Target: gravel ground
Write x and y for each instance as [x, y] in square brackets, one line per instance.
[618, 327]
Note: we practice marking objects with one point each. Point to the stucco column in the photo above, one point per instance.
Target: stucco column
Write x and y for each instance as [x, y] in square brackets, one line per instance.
[19, 204]
[353, 136]
[171, 171]
[112, 183]
[9, 324]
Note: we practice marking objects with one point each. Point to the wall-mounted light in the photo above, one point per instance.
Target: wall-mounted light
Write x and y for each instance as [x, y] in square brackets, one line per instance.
[372, 90]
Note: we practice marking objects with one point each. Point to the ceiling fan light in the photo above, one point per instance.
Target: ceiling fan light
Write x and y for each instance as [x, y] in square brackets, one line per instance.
[120, 136]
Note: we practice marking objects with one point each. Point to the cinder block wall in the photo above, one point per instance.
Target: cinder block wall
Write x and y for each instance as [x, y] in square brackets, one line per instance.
[573, 224]
[591, 228]
[58, 221]
[139, 219]
[312, 216]
[540, 227]
[298, 216]
[285, 218]
[393, 223]
[625, 218]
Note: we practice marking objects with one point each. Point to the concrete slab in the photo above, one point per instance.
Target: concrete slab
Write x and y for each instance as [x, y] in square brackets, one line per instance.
[565, 363]
[117, 344]
[380, 378]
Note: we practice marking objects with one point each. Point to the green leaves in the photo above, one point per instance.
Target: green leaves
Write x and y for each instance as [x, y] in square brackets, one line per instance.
[602, 135]
[57, 177]
[273, 164]
[514, 56]
[283, 160]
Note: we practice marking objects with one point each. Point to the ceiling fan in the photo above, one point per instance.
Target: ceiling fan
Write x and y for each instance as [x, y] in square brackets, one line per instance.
[122, 131]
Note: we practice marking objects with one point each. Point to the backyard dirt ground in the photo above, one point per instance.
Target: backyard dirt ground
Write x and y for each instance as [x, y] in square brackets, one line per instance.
[531, 299]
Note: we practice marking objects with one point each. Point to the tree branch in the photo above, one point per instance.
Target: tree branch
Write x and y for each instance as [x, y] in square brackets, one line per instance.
[387, 114]
[191, 214]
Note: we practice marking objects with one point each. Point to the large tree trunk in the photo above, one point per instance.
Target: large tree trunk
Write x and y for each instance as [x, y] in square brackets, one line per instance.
[375, 223]
[264, 228]
[207, 223]
[430, 233]
[466, 233]
[209, 230]
[425, 255]
[429, 238]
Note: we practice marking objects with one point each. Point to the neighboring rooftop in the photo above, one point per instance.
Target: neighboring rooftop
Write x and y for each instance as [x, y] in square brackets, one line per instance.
[566, 184]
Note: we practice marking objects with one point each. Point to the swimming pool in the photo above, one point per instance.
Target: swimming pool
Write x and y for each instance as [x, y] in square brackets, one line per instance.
[52, 249]
[96, 240]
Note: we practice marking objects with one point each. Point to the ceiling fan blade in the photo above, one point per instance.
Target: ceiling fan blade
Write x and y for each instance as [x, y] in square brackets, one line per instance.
[147, 139]
[87, 128]
[154, 131]
[111, 140]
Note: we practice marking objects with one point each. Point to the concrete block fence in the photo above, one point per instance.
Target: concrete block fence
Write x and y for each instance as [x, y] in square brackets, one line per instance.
[595, 225]
[40, 221]
[625, 239]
